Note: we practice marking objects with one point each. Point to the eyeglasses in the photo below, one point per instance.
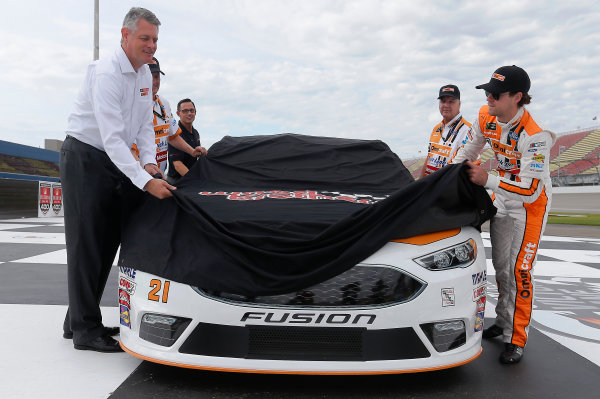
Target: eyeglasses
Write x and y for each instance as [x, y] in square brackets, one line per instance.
[188, 111]
[495, 96]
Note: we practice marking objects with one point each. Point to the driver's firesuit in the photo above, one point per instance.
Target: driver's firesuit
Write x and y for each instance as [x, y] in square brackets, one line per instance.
[522, 192]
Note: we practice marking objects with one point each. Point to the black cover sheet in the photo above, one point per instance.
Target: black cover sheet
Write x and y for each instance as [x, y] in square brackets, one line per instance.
[265, 215]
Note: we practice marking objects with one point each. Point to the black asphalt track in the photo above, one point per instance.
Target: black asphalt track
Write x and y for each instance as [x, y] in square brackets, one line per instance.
[547, 370]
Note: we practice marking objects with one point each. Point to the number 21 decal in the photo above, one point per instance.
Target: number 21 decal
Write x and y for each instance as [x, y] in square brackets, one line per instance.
[153, 295]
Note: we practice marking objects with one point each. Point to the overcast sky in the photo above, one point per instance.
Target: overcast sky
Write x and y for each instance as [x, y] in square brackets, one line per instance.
[360, 69]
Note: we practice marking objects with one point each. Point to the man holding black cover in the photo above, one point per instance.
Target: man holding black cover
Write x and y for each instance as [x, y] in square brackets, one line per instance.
[522, 192]
[179, 161]
[112, 110]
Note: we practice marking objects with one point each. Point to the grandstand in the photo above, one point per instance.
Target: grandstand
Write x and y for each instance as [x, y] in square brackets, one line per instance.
[574, 159]
[21, 168]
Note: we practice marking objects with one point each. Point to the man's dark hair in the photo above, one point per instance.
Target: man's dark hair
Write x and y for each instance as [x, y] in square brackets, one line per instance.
[525, 98]
[185, 100]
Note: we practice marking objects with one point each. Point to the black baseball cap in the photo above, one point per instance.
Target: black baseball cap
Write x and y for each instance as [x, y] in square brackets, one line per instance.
[449, 91]
[155, 66]
[507, 78]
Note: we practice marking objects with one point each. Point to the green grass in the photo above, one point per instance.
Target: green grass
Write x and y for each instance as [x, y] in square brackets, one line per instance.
[586, 219]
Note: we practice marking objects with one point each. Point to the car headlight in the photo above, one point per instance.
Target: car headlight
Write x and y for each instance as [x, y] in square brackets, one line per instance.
[461, 255]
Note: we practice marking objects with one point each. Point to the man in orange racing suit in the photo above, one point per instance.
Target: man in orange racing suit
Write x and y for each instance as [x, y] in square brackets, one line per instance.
[522, 192]
[448, 135]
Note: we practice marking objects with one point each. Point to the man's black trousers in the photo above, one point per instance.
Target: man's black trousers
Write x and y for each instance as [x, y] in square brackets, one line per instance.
[93, 192]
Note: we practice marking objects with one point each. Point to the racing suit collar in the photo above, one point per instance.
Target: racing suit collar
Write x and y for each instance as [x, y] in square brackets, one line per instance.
[514, 121]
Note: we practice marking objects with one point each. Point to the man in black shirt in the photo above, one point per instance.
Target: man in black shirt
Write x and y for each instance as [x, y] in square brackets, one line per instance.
[180, 162]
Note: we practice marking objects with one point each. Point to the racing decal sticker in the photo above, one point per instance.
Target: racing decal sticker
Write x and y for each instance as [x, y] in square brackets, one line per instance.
[127, 271]
[144, 91]
[127, 285]
[479, 314]
[125, 316]
[448, 297]
[498, 76]
[303, 194]
[479, 278]
[156, 284]
[478, 292]
[124, 298]
[490, 126]
[538, 157]
[538, 144]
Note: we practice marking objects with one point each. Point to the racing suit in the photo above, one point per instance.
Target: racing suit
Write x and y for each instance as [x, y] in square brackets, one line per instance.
[522, 192]
[165, 129]
[444, 142]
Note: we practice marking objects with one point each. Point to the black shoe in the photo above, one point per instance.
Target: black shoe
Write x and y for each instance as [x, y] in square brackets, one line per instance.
[103, 343]
[512, 354]
[492, 332]
[108, 331]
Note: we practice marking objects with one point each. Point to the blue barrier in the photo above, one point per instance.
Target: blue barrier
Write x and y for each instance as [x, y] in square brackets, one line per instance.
[25, 151]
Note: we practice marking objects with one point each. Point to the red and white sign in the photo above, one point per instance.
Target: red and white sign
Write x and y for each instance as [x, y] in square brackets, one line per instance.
[50, 197]
[44, 197]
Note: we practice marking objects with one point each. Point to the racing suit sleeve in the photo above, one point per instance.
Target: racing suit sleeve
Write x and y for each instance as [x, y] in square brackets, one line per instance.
[474, 143]
[106, 101]
[534, 169]
[174, 130]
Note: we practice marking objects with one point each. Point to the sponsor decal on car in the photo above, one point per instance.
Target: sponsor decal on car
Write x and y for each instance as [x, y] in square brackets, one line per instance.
[479, 278]
[125, 316]
[128, 271]
[448, 297]
[479, 314]
[478, 292]
[127, 285]
[124, 298]
[309, 318]
[478, 321]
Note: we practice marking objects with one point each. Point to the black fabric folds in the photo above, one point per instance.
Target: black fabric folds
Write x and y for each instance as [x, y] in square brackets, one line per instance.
[265, 215]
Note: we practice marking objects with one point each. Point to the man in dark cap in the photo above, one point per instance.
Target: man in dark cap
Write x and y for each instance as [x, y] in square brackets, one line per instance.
[166, 130]
[448, 135]
[522, 192]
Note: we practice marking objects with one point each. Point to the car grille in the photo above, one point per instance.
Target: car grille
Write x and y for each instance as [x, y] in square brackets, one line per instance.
[304, 343]
[362, 285]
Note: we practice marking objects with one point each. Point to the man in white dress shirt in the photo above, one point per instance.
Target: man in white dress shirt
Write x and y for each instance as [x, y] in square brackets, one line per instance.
[112, 110]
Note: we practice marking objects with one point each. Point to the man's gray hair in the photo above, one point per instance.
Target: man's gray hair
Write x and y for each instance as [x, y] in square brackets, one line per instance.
[133, 17]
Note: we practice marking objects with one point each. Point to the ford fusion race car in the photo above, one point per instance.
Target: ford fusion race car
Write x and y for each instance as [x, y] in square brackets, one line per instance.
[302, 254]
[415, 305]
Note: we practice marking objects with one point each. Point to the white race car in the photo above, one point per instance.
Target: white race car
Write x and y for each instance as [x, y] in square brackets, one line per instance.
[417, 304]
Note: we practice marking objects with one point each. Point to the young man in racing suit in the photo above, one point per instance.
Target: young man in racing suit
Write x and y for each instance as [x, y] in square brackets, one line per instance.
[522, 192]
[166, 130]
[448, 135]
